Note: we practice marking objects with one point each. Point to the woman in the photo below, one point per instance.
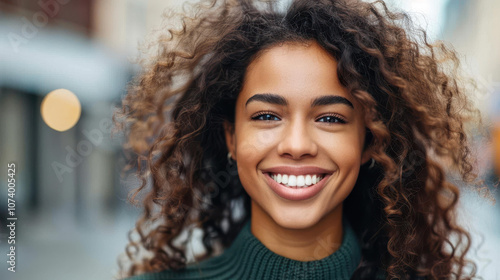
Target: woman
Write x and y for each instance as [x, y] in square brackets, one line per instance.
[307, 142]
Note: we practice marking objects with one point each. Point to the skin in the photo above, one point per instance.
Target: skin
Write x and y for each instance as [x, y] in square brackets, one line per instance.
[297, 134]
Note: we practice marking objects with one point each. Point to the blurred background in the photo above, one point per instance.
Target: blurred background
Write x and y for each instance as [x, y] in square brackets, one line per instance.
[70, 201]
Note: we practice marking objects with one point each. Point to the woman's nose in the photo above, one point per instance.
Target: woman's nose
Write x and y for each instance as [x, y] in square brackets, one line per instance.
[297, 141]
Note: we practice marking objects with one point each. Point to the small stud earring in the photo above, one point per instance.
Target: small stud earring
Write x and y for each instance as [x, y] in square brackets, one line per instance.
[372, 164]
[230, 159]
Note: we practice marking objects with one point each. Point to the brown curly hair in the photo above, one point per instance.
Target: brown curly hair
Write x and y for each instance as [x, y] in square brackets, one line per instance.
[415, 104]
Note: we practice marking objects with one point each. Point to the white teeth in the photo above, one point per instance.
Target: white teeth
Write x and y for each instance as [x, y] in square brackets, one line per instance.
[284, 179]
[300, 181]
[308, 180]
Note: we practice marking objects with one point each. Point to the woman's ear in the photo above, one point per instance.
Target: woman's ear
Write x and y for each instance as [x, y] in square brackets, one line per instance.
[230, 141]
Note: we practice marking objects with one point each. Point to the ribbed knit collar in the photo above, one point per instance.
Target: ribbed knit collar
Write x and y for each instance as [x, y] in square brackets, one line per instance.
[249, 252]
[248, 258]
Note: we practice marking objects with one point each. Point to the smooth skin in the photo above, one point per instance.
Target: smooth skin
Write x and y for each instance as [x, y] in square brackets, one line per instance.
[266, 134]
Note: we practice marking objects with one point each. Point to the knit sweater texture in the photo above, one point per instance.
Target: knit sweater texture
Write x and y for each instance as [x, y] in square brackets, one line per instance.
[248, 258]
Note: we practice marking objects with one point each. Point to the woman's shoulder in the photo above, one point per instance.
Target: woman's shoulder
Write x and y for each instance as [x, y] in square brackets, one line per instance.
[381, 275]
[203, 269]
[155, 276]
[189, 272]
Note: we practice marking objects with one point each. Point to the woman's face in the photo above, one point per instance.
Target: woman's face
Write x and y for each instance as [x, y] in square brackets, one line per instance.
[294, 119]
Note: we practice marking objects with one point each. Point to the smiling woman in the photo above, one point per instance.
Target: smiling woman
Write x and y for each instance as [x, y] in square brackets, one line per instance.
[305, 143]
[292, 134]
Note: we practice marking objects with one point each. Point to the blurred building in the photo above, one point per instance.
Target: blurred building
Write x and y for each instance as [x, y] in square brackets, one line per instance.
[71, 202]
[70, 199]
[472, 28]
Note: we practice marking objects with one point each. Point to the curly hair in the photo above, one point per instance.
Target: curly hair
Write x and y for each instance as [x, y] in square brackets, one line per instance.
[416, 107]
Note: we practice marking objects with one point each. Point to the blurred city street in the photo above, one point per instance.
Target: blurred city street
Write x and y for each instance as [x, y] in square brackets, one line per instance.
[71, 204]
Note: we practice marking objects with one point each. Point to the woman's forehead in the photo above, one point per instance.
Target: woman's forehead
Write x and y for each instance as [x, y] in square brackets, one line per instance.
[295, 71]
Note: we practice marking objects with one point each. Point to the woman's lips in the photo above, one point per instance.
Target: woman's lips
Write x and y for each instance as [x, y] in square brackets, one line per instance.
[296, 193]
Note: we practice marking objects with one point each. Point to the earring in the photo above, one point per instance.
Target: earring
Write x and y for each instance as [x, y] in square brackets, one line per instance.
[229, 159]
[372, 164]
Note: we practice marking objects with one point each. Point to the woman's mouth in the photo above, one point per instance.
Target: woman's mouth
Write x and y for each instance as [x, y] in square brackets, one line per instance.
[296, 187]
[300, 181]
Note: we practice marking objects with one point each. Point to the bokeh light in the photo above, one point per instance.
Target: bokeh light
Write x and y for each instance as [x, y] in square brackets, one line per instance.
[60, 109]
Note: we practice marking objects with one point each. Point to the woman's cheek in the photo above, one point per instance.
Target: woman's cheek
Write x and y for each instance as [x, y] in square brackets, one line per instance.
[266, 138]
[344, 148]
[255, 142]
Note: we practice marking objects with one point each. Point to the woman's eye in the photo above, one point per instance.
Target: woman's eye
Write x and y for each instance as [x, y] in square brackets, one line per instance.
[331, 119]
[272, 117]
[266, 117]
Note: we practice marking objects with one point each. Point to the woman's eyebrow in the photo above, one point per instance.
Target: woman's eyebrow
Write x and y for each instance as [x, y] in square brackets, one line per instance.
[331, 99]
[318, 101]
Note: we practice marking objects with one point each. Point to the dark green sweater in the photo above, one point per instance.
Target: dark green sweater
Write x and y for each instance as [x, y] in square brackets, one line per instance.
[248, 258]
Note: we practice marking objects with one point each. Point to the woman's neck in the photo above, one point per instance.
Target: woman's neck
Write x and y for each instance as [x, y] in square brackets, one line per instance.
[307, 244]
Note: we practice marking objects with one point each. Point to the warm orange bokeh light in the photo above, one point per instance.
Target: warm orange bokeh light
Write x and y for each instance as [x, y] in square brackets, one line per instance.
[60, 109]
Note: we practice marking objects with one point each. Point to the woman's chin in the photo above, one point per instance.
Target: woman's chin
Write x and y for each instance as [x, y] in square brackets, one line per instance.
[292, 221]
